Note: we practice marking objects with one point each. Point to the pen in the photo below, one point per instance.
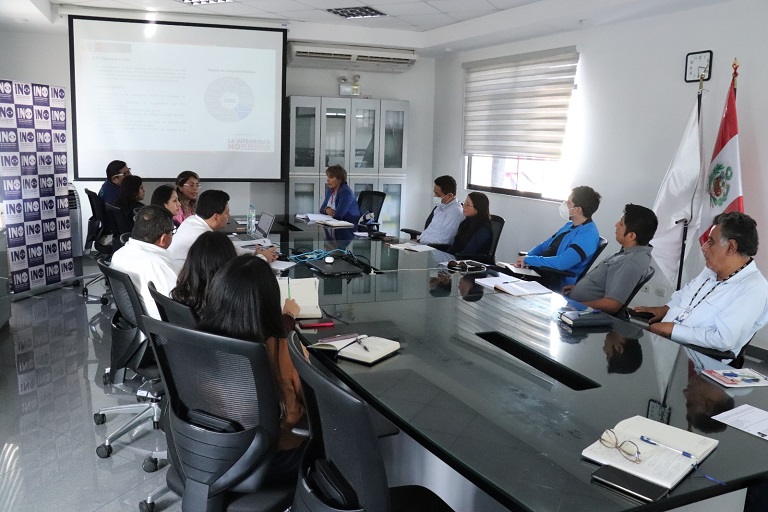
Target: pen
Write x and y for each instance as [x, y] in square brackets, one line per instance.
[656, 443]
[359, 339]
[593, 312]
[289, 287]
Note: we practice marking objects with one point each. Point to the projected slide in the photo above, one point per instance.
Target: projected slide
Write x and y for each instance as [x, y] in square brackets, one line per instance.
[206, 99]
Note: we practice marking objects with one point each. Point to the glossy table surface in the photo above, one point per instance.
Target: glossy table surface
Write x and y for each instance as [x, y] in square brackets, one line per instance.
[494, 386]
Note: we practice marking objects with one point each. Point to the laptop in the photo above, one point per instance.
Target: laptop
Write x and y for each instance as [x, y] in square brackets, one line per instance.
[263, 227]
[339, 267]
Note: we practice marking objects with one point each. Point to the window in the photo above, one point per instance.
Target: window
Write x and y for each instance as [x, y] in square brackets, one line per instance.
[515, 116]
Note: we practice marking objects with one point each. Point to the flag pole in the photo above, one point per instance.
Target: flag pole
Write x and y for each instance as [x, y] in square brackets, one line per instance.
[685, 222]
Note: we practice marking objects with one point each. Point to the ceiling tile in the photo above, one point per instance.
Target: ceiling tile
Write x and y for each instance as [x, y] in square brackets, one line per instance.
[234, 9]
[389, 22]
[509, 4]
[316, 16]
[332, 4]
[279, 6]
[470, 15]
[450, 6]
[408, 9]
[429, 21]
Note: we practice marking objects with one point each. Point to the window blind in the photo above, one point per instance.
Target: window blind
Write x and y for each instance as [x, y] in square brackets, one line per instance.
[518, 106]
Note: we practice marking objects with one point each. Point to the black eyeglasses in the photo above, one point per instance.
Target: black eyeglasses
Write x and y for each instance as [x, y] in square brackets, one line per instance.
[628, 449]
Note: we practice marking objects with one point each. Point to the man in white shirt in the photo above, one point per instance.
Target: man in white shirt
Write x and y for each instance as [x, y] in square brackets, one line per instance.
[211, 214]
[727, 303]
[443, 223]
[145, 256]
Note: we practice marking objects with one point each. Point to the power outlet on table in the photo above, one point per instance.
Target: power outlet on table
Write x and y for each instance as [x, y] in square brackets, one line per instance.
[661, 292]
[646, 288]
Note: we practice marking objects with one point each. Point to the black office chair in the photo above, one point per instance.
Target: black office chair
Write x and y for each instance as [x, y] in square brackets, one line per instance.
[172, 311]
[497, 225]
[121, 222]
[371, 201]
[342, 467]
[98, 228]
[222, 426]
[551, 277]
[129, 354]
[622, 312]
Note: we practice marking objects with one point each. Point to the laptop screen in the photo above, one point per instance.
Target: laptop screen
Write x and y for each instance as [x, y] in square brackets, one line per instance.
[265, 224]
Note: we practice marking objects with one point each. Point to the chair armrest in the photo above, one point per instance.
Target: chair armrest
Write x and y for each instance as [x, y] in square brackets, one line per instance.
[711, 352]
[522, 253]
[412, 232]
[554, 271]
[301, 429]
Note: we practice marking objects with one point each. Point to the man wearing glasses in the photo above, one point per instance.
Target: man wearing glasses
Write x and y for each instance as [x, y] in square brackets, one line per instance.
[110, 189]
[145, 256]
[725, 305]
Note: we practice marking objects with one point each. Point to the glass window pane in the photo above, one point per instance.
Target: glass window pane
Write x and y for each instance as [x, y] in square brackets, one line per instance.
[365, 137]
[335, 136]
[394, 122]
[305, 137]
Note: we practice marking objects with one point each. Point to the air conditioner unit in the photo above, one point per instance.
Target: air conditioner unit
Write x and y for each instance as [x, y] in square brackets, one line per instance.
[352, 58]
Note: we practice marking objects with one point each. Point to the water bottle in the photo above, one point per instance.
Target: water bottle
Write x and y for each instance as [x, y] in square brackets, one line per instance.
[251, 219]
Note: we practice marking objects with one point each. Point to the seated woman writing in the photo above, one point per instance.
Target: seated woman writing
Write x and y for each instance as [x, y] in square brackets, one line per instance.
[243, 301]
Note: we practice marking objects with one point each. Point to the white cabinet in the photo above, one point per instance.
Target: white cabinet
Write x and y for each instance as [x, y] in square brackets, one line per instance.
[369, 138]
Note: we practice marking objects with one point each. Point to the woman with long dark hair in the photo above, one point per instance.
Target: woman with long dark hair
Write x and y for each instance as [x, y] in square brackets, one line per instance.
[243, 301]
[475, 234]
[130, 197]
[187, 188]
[167, 197]
[210, 252]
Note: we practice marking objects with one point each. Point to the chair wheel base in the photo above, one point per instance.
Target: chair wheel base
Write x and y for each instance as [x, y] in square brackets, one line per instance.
[99, 418]
[105, 378]
[150, 465]
[104, 451]
[104, 301]
[146, 507]
[85, 291]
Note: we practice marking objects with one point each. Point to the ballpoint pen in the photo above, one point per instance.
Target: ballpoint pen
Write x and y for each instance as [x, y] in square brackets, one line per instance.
[289, 287]
[656, 443]
[359, 339]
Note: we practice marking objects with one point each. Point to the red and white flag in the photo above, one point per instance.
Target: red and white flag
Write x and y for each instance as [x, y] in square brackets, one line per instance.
[723, 181]
[679, 198]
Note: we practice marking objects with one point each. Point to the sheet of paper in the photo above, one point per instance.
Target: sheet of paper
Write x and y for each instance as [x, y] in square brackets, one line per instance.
[412, 247]
[281, 265]
[241, 222]
[747, 418]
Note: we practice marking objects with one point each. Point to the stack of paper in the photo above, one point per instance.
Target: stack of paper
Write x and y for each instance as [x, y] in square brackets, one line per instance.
[412, 247]
[667, 453]
[335, 223]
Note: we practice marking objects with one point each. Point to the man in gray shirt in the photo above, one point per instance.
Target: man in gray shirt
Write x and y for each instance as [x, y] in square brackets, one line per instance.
[608, 286]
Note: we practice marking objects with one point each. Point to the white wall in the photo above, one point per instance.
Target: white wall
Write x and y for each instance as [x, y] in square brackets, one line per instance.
[635, 105]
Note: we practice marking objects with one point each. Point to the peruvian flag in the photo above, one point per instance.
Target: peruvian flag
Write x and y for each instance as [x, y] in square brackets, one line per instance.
[723, 181]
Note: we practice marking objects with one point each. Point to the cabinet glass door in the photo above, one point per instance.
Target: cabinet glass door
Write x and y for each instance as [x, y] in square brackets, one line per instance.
[304, 195]
[336, 132]
[365, 142]
[360, 183]
[393, 204]
[305, 135]
[393, 139]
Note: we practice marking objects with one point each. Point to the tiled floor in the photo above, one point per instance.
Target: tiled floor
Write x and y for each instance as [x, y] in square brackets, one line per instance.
[52, 357]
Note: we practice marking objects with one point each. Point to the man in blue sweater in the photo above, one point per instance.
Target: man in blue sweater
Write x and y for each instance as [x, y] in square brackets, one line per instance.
[574, 244]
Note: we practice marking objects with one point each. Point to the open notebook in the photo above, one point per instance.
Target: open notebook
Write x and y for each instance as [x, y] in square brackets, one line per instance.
[305, 292]
[662, 463]
[367, 350]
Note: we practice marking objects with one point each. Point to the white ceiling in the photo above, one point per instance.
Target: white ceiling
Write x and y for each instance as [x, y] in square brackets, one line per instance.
[429, 26]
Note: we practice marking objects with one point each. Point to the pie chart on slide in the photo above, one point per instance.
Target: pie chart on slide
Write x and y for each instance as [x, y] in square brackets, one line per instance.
[228, 99]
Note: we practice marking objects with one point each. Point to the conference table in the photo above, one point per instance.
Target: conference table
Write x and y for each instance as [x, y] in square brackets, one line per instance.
[499, 390]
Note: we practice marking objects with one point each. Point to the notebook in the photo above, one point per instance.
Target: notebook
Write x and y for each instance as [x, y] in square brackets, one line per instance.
[305, 292]
[367, 350]
[520, 288]
[662, 460]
